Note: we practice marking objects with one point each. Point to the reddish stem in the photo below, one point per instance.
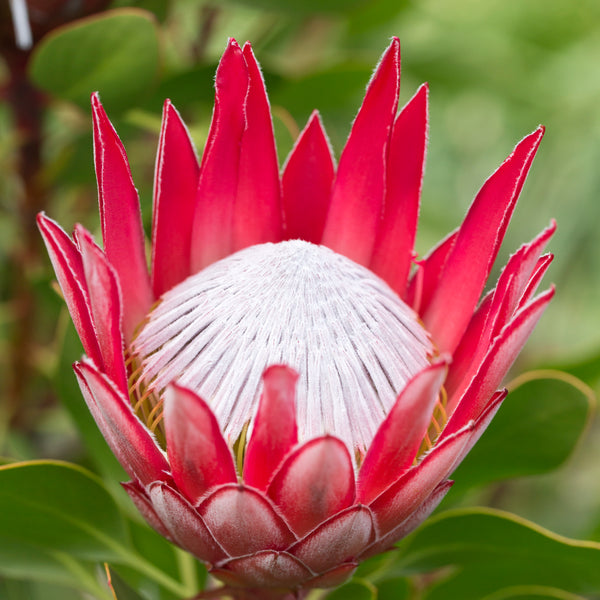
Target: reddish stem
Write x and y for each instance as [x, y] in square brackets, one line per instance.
[26, 104]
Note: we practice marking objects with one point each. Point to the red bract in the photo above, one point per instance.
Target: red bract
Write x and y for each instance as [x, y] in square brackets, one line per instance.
[287, 484]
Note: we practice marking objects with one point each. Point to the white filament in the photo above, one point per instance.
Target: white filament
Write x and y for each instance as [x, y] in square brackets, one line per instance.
[354, 343]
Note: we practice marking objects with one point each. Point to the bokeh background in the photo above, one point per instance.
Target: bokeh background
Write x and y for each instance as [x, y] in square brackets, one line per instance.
[496, 69]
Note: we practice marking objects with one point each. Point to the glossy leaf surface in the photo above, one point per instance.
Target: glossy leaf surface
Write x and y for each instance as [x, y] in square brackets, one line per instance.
[535, 430]
[491, 550]
[116, 53]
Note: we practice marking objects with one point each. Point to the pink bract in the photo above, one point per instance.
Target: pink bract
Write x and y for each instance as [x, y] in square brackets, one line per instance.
[295, 512]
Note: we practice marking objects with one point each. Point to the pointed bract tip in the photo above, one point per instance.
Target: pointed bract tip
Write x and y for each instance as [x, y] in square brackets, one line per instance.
[41, 218]
[314, 120]
[98, 112]
[169, 110]
[281, 379]
[84, 366]
[231, 50]
[173, 388]
[249, 56]
[79, 229]
[422, 92]
[281, 371]
[83, 237]
[394, 48]
[537, 135]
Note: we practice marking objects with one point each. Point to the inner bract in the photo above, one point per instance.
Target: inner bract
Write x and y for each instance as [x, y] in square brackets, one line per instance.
[352, 340]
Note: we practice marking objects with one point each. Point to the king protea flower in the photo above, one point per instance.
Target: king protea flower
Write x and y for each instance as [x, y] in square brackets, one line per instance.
[288, 388]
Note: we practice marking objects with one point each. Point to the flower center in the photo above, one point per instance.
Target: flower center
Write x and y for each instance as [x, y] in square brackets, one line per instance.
[353, 341]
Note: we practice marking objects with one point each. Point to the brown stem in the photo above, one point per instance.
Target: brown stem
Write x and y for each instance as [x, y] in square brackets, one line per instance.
[26, 104]
[208, 17]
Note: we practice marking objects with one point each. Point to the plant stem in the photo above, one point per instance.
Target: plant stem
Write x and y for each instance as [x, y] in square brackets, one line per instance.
[187, 568]
[27, 106]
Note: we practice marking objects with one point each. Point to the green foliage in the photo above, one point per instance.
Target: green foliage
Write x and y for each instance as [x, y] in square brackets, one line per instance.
[57, 521]
[305, 7]
[354, 590]
[489, 550]
[59, 507]
[121, 590]
[116, 54]
[535, 430]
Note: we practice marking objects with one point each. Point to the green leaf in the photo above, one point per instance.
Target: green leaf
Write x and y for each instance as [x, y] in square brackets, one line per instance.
[30, 563]
[20, 560]
[532, 592]
[492, 550]
[11, 589]
[115, 53]
[120, 589]
[398, 588]
[67, 514]
[59, 507]
[587, 369]
[354, 590]
[172, 561]
[305, 6]
[535, 430]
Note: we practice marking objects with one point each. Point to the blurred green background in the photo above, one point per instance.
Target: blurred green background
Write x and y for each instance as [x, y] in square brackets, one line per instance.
[496, 69]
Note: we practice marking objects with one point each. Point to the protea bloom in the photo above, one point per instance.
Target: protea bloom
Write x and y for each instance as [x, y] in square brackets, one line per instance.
[287, 397]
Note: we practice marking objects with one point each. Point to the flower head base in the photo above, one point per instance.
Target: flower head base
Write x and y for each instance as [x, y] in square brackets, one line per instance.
[281, 324]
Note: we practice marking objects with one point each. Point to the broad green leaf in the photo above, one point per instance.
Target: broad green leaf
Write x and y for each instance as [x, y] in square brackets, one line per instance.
[30, 563]
[398, 588]
[532, 592]
[11, 589]
[120, 589]
[588, 369]
[20, 560]
[354, 590]
[65, 514]
[491, 550]
[173, 562]
[59, 507]
[373, 567]
[190, 88]
[115, 53]
[160, 8]
[535, 430]
[305, 6]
